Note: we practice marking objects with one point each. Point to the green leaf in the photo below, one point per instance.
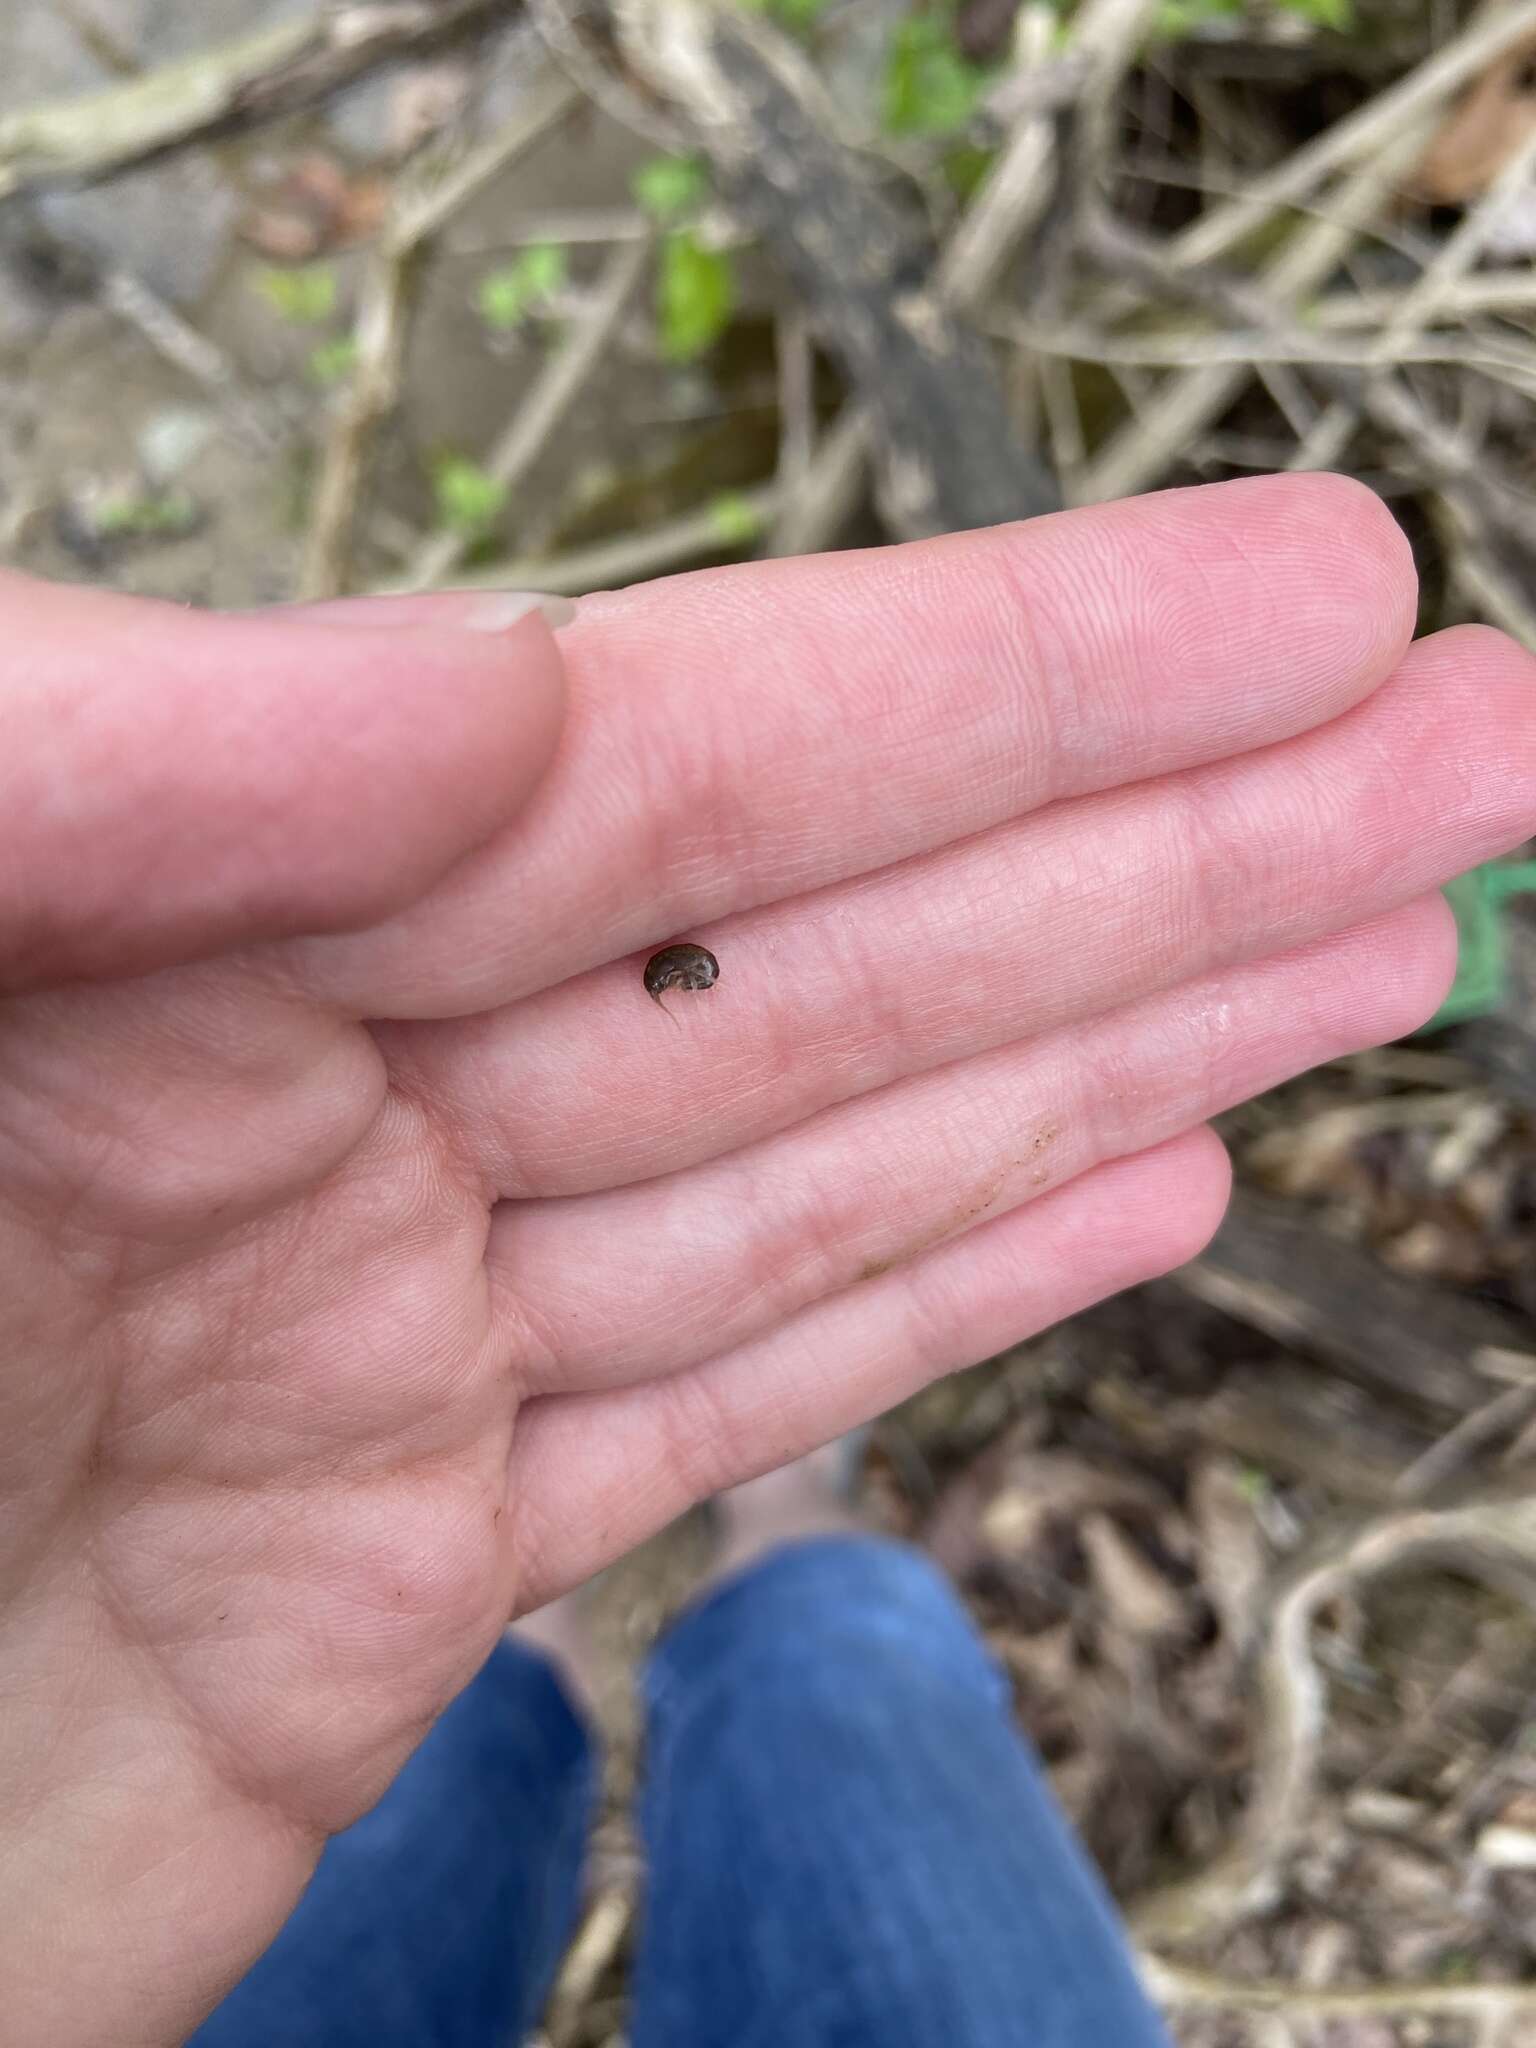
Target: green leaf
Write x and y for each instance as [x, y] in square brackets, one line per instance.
[931, 87]
[668, 186]
[301, 297]
[966, 167]
[332, 362]
[735, 519]
[1477, 900]
[1334, 14]
[796, 15]
[1177, 18]
[155, 514]
[695, 295]
[508, 295]
[469, 499]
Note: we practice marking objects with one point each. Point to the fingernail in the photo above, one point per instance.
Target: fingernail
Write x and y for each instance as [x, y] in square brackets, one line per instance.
[498, 610]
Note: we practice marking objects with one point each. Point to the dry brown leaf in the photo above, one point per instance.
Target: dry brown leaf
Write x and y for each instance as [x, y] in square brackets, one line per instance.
[313, 206]
[1046, 1663]
[1136, 1596]
[1491, 123]
[998, 1507]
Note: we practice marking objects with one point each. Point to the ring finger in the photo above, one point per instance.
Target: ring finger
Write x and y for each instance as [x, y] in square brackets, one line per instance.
[602, 1290]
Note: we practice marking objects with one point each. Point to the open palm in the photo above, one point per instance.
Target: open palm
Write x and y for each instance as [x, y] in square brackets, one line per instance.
[376, 1260]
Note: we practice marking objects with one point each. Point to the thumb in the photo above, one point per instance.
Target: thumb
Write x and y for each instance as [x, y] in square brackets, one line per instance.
[175, 782]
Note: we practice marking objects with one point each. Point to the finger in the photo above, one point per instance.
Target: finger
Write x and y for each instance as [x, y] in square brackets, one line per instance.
[593, 1474]
[620, 1286]
[1029, 928]
[174, 782]
[745, 734]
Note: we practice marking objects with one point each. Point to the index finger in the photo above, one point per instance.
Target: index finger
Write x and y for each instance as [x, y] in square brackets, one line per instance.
[737, 736]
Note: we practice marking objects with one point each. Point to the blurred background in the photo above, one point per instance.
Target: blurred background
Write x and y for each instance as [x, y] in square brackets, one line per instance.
[298, 299]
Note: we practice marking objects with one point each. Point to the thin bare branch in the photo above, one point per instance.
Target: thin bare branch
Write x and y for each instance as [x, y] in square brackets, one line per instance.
[1185, 405]
[1484, 499]
[610, 564]
[1499, 1417]
[381, 332]
[174, 337]
[423, 212]
[1501, 357]
[1492, 1538]
[559, 22]
[796, 361]
[1377, 127]
[579, 224]
[1491, 291]
[1422, 302]
[1385, 140]
[1007, 206]
[371, 394]
[550, 398]
[1015, 192]
[232, 86]
[597, 1942]
[829, 490]
[1181, 1989]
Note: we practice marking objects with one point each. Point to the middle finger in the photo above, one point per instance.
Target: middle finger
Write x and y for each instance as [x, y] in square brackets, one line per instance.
[1027, 928]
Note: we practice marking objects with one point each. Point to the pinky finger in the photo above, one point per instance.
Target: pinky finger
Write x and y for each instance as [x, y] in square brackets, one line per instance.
[591, 1475]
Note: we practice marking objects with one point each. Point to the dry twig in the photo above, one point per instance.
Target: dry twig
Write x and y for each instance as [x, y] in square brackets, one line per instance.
[1184, 405]
[947, 454]
[179, 342]
[1492, 1539]
[1272, 1268]
[1370, 131]
[233, 86]
[610, 564]
[1482, 504]
[796, 362]
[553, 392]
[1422, 303]
[1385, 139]
[1008, 206]
[1181, 1989]
[829, 489]
[596, 1944]
[383, 321]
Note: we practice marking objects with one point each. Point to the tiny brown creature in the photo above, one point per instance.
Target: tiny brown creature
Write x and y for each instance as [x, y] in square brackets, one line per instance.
[690, 967]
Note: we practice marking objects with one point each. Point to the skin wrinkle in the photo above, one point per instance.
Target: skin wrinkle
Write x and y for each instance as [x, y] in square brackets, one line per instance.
[244, 1275]
[1031, 656]
[1212, 861]
[219, 1759]
[1080, 666]
[1204, 629]
[201, 1688]
[133, 1135]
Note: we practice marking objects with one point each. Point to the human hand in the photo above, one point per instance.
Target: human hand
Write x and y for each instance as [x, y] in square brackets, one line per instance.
[328, 1343]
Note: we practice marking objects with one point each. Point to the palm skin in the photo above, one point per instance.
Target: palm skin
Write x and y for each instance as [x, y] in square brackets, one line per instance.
[378, 1263]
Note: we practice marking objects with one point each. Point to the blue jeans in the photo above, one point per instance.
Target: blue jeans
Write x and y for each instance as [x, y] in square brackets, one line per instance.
[848, 1845]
